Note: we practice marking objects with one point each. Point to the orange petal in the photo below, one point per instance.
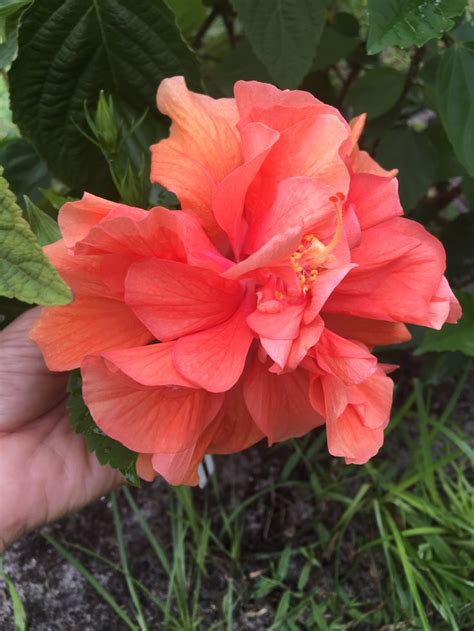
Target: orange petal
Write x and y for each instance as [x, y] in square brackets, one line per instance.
[214, 359]
[77, 218]
[88, 325]
[370, 332]
[174, 299]
[148, 419]
[279, 404]
[374, 198]
[203, 147]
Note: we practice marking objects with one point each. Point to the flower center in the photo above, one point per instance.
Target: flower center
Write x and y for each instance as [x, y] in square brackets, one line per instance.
[312, 254]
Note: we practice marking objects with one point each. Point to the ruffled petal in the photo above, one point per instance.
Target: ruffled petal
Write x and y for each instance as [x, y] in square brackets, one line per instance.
[235, 429]
[277, 248]
[88, 325]
[214, 359]
[374, 198]
[279, 404]
[357, 434]
[277, 108]
[76, 219]
[203, 147]
[147, 419]
[85, 275]
[174, 299]
[309, 148]
[349, 361]
[229, 195]
[299, 201]
[444, 306]
[150, 365]
[370, 332]
[348, 438]
[396, 278]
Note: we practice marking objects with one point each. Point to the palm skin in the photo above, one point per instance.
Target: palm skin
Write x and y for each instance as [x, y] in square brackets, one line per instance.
[45, 468]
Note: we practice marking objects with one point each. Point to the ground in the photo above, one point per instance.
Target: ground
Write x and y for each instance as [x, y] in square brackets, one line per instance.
[281, 538]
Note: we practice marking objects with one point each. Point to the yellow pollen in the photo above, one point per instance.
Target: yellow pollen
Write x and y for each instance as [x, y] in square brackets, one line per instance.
[312, 254]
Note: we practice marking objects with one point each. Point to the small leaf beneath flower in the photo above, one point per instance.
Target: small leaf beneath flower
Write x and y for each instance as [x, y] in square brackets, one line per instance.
[44, 226]
[107, 450]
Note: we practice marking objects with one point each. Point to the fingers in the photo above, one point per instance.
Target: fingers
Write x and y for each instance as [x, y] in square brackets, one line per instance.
[27, 388]
[45, 473]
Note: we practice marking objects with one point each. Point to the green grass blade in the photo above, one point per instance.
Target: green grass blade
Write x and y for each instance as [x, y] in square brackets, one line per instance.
[155, 544]
[408, 570]
[124, 561]
[19, 614]
[93, 582]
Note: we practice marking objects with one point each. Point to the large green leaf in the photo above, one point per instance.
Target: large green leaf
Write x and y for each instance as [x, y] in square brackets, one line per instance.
[405, 23]
[376, 92]
[10, 14]
[25, 272]
[71, 49]
[455, 100]
[189, 14]
[339, 39]
[284, 35]
[414, 155]
[107, 450]
[24, 170]
[239, 63]
[454, 337]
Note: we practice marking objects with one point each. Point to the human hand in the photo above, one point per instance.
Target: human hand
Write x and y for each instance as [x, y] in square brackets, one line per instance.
[45, 468]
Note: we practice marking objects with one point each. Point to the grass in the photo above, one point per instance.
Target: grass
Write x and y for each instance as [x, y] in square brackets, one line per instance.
[385, 546]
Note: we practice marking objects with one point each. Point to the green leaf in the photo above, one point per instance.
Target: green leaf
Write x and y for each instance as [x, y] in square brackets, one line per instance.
[284, 35]
[414, 155]
[9, 7]
[448, 165]
[69, 50]
[453, 337]
[10, 15]
[405, 23]
[455, 100]
[239, 63]
[189, 14]
[19, 614]
[468, 190]
[25, 272]
[339, 40]
[44, 226]
[24, 169]
[376, 92]
[107, 450]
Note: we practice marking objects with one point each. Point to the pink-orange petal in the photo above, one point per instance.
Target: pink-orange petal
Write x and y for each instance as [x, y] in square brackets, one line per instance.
[174, 299]
[214, 359]
[88, 325]
[203, 147]
[279, 404]
[148, 419]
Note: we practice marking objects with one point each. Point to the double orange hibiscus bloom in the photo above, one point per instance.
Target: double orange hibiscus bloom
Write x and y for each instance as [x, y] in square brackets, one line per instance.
[288, 262]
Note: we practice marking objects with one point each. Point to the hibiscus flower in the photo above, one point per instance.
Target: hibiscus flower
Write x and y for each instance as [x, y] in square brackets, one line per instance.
[288, 261]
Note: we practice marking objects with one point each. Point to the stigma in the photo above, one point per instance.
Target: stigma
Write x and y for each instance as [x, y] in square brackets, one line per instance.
[313, 255]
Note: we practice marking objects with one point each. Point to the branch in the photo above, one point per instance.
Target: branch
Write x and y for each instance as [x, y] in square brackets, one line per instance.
[197, 42]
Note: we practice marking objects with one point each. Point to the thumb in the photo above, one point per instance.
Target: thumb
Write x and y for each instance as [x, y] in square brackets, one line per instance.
[27, 388]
